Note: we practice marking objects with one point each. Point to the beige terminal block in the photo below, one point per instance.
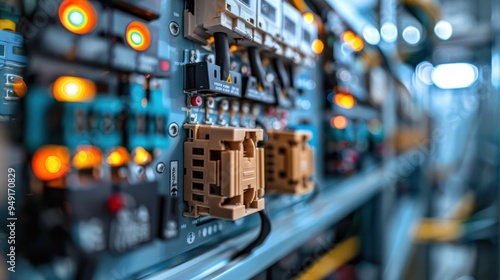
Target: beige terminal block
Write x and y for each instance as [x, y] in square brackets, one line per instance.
[224, 171]
[289, 162]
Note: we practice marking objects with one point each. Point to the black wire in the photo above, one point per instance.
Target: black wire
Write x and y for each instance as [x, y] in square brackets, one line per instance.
[256, 65]
[265, 229]
[222, 56]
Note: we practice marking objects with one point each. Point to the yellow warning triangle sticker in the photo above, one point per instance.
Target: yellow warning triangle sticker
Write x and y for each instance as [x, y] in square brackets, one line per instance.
[229, 80]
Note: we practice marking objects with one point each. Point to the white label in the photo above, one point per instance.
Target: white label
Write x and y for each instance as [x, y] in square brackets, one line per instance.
[174, 176]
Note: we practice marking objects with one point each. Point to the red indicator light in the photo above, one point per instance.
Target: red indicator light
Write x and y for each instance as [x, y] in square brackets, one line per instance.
[115, 203]
[164, 65]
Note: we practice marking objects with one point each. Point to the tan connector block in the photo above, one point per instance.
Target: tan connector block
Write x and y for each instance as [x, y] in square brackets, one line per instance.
[289, 162]
[224, 171]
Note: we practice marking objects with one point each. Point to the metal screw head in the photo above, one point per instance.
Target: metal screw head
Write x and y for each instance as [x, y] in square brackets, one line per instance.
[140, 170]
[224, 105]
[193, 118]
[173, 130]
[210, 102]
[245, 107]
[160, 167]
[235, 106]
[210, 58]
[174, 28]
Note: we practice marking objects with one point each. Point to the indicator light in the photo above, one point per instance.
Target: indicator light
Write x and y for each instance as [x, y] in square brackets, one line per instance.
[73, 89]
[138, 36]
[20, 87]
[348, 36]
[308, 17]
[116, 202]
[51, 162]
[357, 44]
[78, 16]
[118, 157]
[141, 156]
[164, 65]
[87, 157]
[344, 100]
[233, 48]
[339, 122]
[317, 46]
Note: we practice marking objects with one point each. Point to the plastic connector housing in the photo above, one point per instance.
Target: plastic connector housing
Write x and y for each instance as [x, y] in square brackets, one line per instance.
[237, 18]
[269, 22]
[291, 31]
[289, 162]
[309, 34]
[223, 171]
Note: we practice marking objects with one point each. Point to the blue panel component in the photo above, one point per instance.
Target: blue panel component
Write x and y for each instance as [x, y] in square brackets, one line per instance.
[40, 104]
[159, 118]
[137, 120]
[12, 64]
[147, 123]
[13, 48]
[76, 124]
[105, 121]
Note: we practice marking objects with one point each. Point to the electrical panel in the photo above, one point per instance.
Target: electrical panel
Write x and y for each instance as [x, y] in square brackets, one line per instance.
[148, 129]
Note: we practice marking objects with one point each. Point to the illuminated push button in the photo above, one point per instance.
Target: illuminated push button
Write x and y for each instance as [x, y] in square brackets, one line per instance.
[344, 100]
[51, 162]
[20, 87]
[138, 36]
[73, 89]
[118, 157]
[78, 16]
[142, 156]
[87, 157]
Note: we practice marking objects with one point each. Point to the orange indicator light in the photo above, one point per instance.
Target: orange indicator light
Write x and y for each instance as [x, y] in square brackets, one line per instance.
[138, 36]
[87, 157]
[118, 157]
[73, 89]
[141, 156]
[339, 122]
[51, 162]
[78, 16]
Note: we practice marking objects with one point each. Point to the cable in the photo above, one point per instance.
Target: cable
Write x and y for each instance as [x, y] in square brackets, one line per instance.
[265, 229]
[256, 65]
[222, 58]
[280, 69]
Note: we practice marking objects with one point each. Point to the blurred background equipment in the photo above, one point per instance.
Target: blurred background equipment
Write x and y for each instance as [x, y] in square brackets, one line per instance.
[250, 139]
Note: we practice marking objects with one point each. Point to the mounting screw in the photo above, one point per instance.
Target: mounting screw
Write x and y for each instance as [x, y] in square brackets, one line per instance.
[174, 28]
[140, 170]
[160, 167]
[173, 130]
[193, 118]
